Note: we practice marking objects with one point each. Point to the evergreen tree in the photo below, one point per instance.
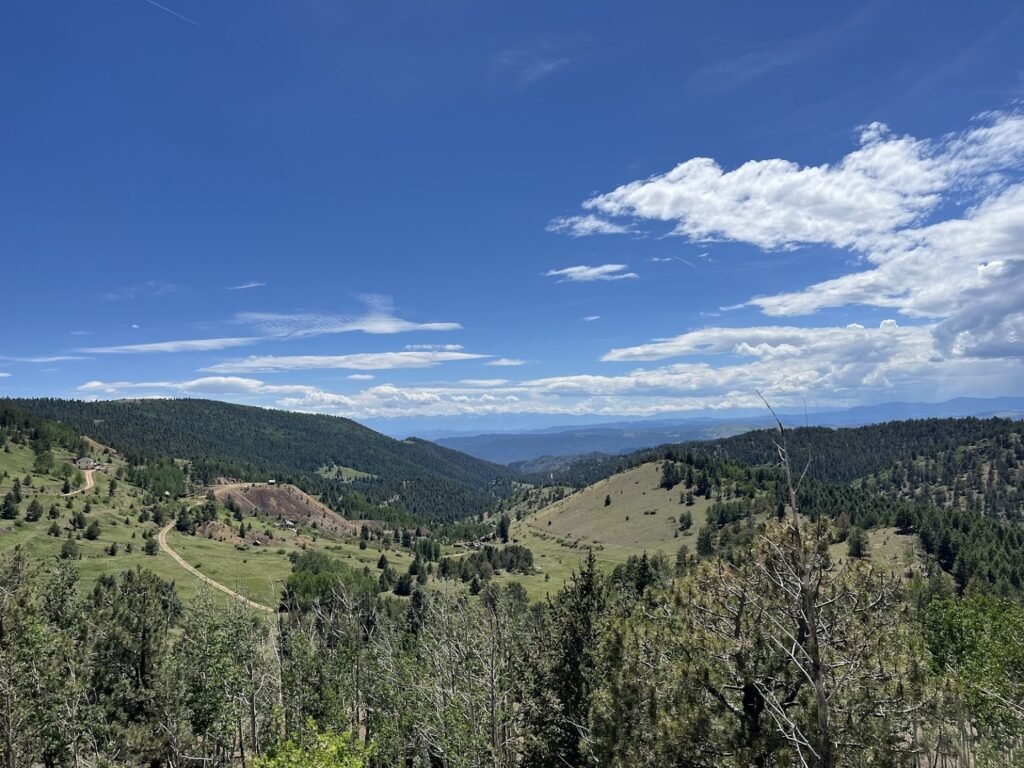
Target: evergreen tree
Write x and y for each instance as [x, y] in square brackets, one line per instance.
[34, 511]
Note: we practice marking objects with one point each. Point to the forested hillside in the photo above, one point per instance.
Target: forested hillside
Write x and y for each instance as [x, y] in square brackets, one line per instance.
[957, 484]
[843, 455]
[225, 440]
[678, 634]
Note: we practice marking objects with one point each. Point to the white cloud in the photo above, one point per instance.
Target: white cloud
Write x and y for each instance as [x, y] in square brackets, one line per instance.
[834, 366]
[361, 377]
[936, 226]
[42, 358]
[941, 270]
[584, 274]
[506, 362]
[245, 286]
[775, 203]
[888, 183]
[583, 226]
[185, 345]
[435, 347]
[591, 318]
[149, 289]
[361, 361]
[528, 66]
[378, 319]
[4, 375]
[208, 385]
[769, 342]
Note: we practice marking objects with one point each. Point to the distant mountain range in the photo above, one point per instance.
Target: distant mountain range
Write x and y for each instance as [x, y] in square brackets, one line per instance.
[549, 447]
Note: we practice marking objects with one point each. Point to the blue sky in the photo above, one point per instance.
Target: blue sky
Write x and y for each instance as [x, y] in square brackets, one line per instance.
[505, 215]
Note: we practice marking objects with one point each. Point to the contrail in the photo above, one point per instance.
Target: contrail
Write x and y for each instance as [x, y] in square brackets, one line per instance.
[193, 22]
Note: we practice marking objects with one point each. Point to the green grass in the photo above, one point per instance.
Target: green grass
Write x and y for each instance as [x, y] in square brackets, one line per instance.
[641, 517]
[344, 473]
[110, 512]
[886, 548]
[559, 534]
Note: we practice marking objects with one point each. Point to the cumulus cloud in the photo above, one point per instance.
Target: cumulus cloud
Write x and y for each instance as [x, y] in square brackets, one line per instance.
[934, 227]
[360, 377]
[506, 362]
[584, 274]
[889, 182]
[360, 361]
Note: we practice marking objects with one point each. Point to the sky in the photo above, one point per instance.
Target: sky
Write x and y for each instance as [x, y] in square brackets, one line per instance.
[502, 215]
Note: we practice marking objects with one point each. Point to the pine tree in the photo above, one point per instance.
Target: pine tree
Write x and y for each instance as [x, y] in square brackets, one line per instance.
[9, 510]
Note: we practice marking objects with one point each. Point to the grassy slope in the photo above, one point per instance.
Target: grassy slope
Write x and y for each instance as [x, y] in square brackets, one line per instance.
[110, 512]
[256, 572]
[560, 534]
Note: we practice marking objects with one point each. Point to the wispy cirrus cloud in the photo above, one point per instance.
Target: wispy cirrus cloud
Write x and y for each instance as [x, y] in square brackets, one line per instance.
[360, 361]
[588, 224]
[207, 385]
[526, 66]
[379, 318]
[669, 259]
[174, 13]
[716, 368]
[506, 362]
[42, 358]
[591, 318]
[245, 286]
[182, 345]
[586, 274]
[149, 289]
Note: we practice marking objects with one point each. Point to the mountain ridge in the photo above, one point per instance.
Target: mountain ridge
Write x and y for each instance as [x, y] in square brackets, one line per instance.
[617, 438]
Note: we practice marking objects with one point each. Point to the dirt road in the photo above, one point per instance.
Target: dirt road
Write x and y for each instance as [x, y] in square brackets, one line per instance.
[88, 483]
[161, 539]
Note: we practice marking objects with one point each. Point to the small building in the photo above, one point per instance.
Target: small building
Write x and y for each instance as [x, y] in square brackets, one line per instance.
[271, 482]
[84, 462]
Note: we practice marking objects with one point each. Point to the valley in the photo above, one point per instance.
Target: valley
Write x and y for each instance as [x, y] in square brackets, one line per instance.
[652, 542]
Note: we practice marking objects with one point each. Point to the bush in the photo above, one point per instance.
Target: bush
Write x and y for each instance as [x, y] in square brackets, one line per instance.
[321, 750]
[857, 543]
[69, 551]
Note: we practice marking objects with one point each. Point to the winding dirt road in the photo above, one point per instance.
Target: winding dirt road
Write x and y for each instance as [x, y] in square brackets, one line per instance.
[88, 483]
[161, 539]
